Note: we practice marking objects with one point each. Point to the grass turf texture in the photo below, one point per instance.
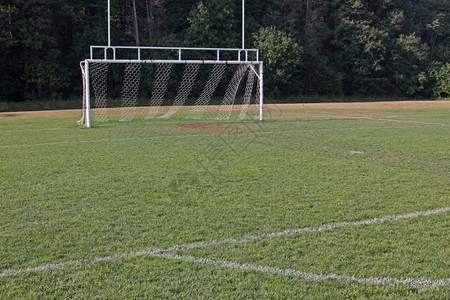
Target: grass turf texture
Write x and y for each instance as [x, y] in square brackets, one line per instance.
[70, 194]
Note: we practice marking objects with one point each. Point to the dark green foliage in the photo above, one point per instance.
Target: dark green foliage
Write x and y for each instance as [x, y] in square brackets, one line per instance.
[348, 47]
[282, 56]
[215, 24]
[441, 75]
[407, 65]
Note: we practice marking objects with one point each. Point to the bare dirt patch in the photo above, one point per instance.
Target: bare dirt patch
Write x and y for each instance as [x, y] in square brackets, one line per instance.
[346, 105]
[42, 114]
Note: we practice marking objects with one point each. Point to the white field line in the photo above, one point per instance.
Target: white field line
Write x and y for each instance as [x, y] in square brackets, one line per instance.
[307, 275]
[329, 129]
[401, 121]
[162, 252]
[346, 116]
[163, 137]
[34, 130]
[292, 232]
[342, 117]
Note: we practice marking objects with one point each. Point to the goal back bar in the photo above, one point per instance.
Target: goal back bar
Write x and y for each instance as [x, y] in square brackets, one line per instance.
[117, 53]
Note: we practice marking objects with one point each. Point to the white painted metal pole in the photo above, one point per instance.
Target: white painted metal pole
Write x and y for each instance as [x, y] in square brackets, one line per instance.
[109, 23]
[88, 95]
[243, 24]
[261, 90]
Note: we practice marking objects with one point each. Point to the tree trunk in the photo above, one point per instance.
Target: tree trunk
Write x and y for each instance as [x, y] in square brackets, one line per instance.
[150, 21]
[135, 22]
[308, 11]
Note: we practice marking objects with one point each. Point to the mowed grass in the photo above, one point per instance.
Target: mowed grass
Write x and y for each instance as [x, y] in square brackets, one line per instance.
[83, 210]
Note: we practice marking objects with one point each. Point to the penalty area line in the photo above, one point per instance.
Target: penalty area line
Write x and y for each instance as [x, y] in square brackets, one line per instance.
[401, 121]
[187, 136]
[427, 283]
[163, 252]
[298, 231]
[162, 137]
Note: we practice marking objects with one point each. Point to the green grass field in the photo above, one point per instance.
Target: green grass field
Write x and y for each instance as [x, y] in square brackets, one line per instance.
[313, 203]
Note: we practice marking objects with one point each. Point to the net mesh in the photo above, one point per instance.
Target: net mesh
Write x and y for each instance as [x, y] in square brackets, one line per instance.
[124, 92]
[230, 95]
[207, 93]
[189, 76]
[159, 89]
[99, 73]
[130, 91]
[83, 77]
[247, 95]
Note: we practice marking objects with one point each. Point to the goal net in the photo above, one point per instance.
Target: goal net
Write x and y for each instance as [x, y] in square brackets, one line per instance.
[117, 89]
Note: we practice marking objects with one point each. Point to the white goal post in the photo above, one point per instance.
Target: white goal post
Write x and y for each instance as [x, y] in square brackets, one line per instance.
[124, 83]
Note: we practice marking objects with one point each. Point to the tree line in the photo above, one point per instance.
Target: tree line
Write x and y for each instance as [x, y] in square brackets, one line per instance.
[381, 48]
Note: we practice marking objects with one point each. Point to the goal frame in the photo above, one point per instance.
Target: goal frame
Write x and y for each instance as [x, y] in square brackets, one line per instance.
[140, 55]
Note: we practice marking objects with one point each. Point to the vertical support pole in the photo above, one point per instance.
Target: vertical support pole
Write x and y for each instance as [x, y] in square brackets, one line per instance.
[261, 91]
[88, 95]
[109, 23]
[243, 24]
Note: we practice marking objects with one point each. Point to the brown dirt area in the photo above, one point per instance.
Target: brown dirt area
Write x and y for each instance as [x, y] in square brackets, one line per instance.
[352, 105]
[44, 113]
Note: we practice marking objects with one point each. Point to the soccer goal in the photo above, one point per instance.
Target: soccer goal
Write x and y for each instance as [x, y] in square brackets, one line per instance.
[141, 83]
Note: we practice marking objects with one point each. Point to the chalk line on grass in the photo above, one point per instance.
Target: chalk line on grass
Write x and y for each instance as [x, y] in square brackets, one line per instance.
[163, 252]
[62, 265]
[181, 136]
[401, 121]
[290, 232]
[308, 275]
[161, 137]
